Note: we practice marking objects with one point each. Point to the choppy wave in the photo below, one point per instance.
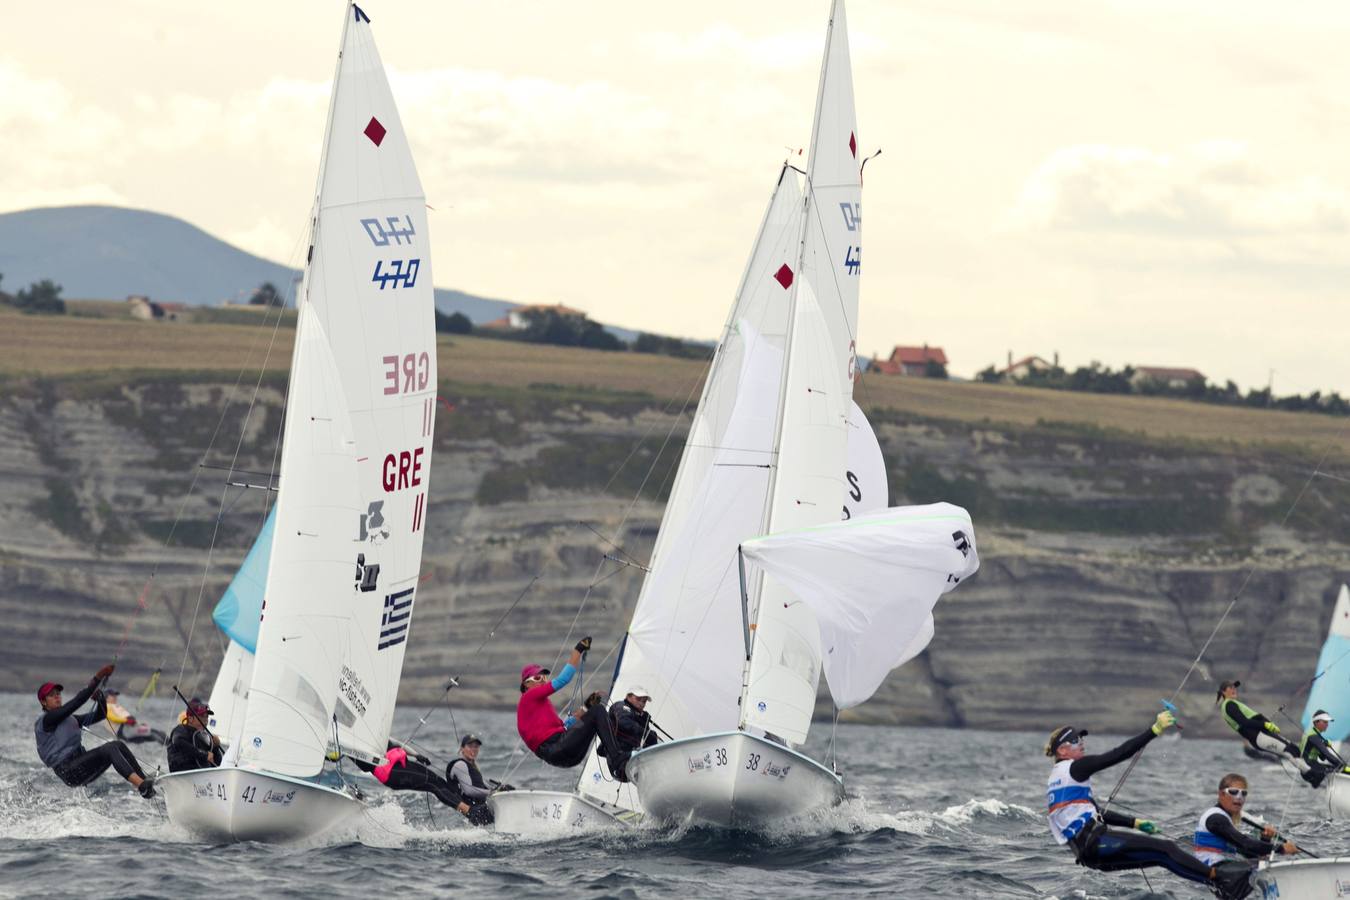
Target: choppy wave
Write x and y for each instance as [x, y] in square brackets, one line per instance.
[933, 814]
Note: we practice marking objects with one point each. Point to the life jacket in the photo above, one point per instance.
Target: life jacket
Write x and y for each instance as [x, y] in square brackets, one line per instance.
[392, 757]
[1310, 752]
[1242, 708]
[1069, 803]
[475, 776]
[61, 743]
[1211, 849]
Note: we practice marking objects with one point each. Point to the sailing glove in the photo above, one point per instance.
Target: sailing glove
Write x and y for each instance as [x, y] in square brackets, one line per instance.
[584, 644]
[102, 673]
[1146, 826]
[1272, 727]
[1163, 721]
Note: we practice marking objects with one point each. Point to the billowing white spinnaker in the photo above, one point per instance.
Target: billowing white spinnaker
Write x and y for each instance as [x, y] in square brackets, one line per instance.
[872, 583]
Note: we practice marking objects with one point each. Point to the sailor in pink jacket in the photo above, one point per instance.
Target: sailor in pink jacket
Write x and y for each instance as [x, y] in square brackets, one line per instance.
[558, 743]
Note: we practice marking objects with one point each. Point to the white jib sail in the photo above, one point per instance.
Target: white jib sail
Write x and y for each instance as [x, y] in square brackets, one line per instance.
[784, 671]
[367, 351]
[685, 643]
[872, 583]
[229, 692]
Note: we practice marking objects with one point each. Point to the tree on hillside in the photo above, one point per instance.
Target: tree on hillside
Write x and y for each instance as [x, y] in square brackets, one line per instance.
[546, 326]
[656, 343]
[989, 375]
[267, 295]
[455, 323]
[41, 297]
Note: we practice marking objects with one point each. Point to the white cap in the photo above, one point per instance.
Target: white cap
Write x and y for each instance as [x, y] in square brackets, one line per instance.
[639, 691]
[1323, 717]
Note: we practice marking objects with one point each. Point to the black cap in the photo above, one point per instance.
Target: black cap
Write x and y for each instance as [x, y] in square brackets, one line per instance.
[1223, 686]
[470, 739]
[1063, 734]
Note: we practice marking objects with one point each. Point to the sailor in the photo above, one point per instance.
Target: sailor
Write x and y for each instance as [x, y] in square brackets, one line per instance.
[546, 735]
[632, 724]
[1254, 728]
[1316, 751]
[400, 772]
[464, 776]
[1108, 841]
[59, 747]
[191, 745]
[124, 725]
[1218, 837]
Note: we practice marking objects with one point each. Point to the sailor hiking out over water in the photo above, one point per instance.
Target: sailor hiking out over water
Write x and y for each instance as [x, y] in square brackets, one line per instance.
[1217, 836]
[1254, 728]
[564, 744]
[58, 729]
[1317, 752]
[1108, 841]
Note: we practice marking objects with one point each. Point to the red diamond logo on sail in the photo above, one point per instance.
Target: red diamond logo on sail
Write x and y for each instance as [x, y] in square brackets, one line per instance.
[375, 131]
[852, 144]
[784, 276]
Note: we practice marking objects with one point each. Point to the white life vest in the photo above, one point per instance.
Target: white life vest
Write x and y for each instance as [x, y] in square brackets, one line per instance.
[1069, 802]
[1211, 849]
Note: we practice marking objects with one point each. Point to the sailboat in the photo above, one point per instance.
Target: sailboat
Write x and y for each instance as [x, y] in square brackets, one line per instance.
[342, 551]
[1331, 691]
[729, 645]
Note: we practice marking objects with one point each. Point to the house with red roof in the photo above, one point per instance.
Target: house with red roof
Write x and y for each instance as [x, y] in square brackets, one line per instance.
[909, 361]
[518, 318]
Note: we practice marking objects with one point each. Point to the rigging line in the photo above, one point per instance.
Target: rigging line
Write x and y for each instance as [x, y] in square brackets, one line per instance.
[631, 558]
[1251, 572]
[628, 511]
[142, 602]
[1331, 476]
[215, 531]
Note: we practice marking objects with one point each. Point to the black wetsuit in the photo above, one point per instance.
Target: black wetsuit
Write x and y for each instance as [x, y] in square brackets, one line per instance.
[569, 748]
[1111, 844]
[632, 726]
[1252, 728]
[464, 776]
[411, 775]
[1322, 760]
[1221, 825]
[59, 745]
[189, 748]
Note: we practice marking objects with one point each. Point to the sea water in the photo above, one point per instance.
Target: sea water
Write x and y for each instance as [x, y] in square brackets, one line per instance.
[934, 813]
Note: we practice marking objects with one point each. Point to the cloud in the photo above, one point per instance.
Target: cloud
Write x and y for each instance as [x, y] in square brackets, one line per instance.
[1214, 190]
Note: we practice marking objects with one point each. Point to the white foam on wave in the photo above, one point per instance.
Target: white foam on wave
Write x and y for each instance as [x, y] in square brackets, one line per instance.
[965, 813]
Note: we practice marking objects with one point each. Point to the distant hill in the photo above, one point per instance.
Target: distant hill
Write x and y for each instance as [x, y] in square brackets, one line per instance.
[108, 252]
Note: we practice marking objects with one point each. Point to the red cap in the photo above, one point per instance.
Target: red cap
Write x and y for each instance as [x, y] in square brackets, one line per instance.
[48, 688]
[531, 670]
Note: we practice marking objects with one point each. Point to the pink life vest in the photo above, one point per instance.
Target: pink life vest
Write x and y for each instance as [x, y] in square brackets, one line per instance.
[396, 755]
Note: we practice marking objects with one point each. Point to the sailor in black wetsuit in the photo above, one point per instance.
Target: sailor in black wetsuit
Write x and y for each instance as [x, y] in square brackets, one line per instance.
[1217, 837]
[59, 746]
[191, 745]
[1317, 752]
[1109, 841]
[1254, 728]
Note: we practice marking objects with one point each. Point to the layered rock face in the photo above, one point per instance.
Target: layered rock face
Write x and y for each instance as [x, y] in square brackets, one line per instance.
[1108, 559]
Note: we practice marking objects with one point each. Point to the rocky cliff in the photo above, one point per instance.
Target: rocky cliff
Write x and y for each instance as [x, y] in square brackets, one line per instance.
[1108, 557]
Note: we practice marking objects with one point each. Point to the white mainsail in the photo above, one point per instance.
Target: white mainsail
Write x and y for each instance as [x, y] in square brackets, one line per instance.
[351, 510]
[685, 644]
[817, 389]
[871, 582]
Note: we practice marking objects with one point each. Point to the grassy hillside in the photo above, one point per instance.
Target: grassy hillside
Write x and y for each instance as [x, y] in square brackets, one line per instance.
[55, 346]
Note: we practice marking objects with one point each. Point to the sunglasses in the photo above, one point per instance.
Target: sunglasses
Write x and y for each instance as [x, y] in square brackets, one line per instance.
[1236, 792]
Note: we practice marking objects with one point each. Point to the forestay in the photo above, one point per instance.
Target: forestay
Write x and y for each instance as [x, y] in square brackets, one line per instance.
[351, 509]
[685, 642]
[817, 389]
[1331, 686]
[237, 614]
[872, 583]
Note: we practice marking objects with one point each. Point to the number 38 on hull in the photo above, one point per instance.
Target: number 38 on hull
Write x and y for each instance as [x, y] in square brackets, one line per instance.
[731, 779]
[232, 804]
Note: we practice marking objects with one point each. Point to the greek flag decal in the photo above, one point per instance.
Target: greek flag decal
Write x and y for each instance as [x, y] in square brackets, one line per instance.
[394, 623]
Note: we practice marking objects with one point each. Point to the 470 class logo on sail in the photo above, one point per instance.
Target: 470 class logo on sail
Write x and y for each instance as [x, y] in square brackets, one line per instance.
[382, 232]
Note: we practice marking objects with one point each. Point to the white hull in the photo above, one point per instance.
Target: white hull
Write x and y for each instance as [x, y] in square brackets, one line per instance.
[554, 813]
[1303, 879]
[231, 804]
[1338, 796]
[731, 779]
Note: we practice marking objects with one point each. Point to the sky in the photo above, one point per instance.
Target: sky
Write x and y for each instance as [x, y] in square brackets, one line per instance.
[1138, 182]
